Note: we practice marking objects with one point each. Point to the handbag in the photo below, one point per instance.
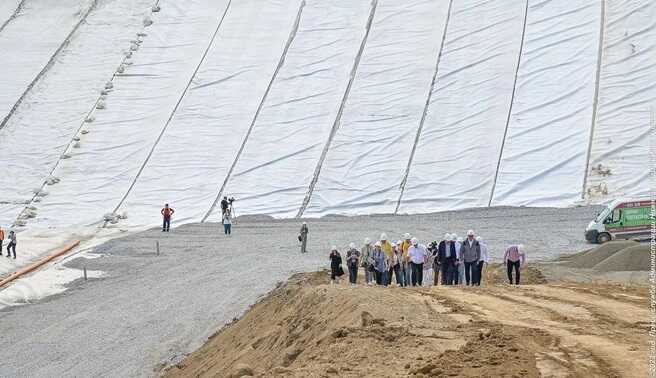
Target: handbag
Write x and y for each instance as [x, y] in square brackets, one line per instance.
[300, 238]
[340, 271]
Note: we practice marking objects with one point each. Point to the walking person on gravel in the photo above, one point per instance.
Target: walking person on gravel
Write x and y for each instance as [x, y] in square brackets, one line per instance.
[380, 264]
[167, 213]
[485, 259]
[460, 266]
[396, 264]
[335, 265]
[471, 254]
[303, 236]
[388, 249]
[12, 244]
[227, 222]
[366, 261]
[418, 255]
[352, 262]
[514, 258]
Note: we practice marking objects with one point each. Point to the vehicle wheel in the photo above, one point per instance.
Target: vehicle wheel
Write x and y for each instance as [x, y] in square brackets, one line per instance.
[603, 238]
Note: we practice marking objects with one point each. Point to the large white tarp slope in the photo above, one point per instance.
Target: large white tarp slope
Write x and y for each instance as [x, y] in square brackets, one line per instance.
[619, 158]
[549, 128]
[96, 176]
[274, 171]
[369, 153]
[194, 156]
[50, 115]
[28, 43]
[457, 152]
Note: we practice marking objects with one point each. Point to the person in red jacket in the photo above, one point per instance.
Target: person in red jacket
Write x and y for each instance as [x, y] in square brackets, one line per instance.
[167, 212]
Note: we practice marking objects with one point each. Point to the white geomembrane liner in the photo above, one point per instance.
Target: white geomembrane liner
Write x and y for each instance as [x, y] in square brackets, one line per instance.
[619, 160]
[50, 115]
[549, 129]
[96, 176]
[7, 9]
[29, 41]
[370, 151]
[457, 153]
[275, 169]
[192, 159]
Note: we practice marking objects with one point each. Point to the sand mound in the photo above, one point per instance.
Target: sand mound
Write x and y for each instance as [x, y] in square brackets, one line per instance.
[309, 328]
[633, 258]
[589, 259]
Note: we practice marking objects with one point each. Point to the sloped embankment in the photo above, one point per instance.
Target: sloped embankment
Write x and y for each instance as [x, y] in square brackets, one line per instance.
[309, 328]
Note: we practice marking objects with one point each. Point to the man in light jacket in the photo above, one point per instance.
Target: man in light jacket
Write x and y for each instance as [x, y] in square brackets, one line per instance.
[470, 252]
[485, 259]
[418, 255]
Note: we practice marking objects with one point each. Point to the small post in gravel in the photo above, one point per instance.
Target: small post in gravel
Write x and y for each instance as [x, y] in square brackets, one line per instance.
[157, 246]
[85, 272]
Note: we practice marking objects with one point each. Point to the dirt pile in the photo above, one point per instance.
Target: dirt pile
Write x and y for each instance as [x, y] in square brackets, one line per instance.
[309, 328]
[588, 259]
[615, 256]
[632, 258]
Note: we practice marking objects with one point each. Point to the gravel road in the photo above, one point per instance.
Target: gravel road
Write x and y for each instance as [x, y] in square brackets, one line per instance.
[149, 310]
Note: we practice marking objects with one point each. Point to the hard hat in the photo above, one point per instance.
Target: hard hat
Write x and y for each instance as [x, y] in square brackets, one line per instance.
[352, 245]
[414, 241]
[406, 236]
[378, 244]
[447, 236]
[470, 233]
[333, 248]
[383, 236]
[367, 241]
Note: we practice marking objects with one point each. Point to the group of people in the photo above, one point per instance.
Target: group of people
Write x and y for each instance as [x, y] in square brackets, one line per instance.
[452, 261]
[226, 215]
[11, 246]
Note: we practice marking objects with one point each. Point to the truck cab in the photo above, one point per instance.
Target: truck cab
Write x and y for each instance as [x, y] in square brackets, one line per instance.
[621, 219]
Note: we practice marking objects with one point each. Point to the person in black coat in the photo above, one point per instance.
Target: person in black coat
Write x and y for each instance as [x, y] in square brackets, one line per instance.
[335, 264]
[446, 254]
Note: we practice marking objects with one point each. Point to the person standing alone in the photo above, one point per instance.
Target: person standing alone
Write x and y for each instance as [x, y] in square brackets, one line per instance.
[515, 258]
[12, 244]
[303, 237]
[167, 213]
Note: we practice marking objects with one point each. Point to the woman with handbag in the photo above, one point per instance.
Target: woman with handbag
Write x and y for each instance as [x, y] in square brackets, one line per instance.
[335, 265]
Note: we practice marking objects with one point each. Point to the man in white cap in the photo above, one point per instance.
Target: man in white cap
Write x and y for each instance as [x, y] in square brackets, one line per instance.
[405, 261]
[418, 255]
[470, 251]
[447, 255]
[303, 237]
[459, 273]
[352, 262]
[367, 261]
[388, 248]
[485, 258]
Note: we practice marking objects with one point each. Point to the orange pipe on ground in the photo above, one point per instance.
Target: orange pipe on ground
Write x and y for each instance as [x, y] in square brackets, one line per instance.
[38, 264]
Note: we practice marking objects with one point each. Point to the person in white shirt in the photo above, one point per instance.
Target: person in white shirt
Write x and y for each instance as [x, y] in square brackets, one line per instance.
[485, 259]
[417, 255]
[460, 264]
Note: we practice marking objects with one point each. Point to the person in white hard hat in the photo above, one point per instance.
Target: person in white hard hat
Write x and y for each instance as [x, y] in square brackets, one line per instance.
[405, 260]
[447, 254]
[485, 258]
[418, 255]
[366, 261]
[388, 248]
[460, 265]
[352, 262]
[380, 263]
[303, 237]
[470, 252]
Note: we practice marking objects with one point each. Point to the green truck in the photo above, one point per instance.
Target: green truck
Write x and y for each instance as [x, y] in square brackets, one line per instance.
[622, 219]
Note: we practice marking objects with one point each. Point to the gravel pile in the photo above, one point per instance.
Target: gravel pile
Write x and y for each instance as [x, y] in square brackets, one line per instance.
[635, 258]
[589, 259]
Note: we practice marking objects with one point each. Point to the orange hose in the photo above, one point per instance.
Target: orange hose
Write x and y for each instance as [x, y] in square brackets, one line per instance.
[38, 264]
